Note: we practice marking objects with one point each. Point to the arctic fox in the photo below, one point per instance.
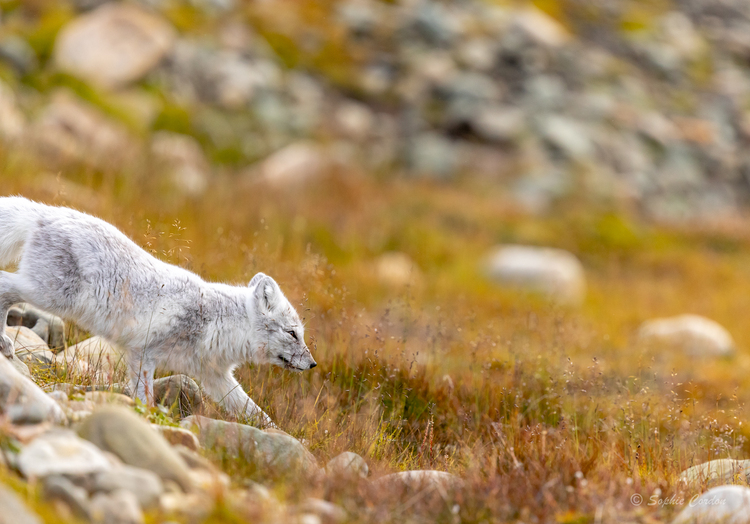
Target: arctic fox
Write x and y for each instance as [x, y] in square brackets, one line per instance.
[85, 270]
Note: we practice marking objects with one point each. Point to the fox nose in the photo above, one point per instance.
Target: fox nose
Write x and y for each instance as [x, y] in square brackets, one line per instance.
[313, 365]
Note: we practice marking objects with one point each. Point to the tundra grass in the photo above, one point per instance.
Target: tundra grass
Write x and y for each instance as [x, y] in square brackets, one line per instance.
[550, 414]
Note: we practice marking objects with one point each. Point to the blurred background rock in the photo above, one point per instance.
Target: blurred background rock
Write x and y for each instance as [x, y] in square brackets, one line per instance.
[625, 102]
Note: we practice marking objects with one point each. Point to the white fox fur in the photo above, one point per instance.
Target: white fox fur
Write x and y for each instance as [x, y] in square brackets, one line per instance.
[85, 270]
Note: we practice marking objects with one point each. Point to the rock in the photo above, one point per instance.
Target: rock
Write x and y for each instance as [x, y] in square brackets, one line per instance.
[432, 155]
[567, 135]
[144, 484]
[294, 164]
[61, 452]
[19, 53]
[20, 366]
[193, 459]
[123, 433]
[396, 269]
[478, 53]
[348, 465]
[499, 124]
[95, 357]
[114, 45]
[721, 471]
[50, 328]
[12, 120]
[25, 340]
[69, 130]
[108, 397]
[694, 335]
[274, 453]
[183, 159]
[194, 507]
[178, 436]
[327, 511]
[554, 273]
[19, 394]
[418, 480]
[720, 505]
[13, 510]
[58, 487]
[180, 393]
[226, 77]
[540, 27]
[30, 348]
[355, 120]
[117, 507]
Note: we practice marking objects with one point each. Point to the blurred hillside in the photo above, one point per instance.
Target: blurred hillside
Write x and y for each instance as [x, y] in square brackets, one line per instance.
[628, 102]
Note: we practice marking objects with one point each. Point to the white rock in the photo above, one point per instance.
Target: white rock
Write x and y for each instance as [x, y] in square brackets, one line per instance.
[294, 164]
[354, 119]
[540, 27]
[348, 465]
[20, 392]
[144, 484]
[12, 120]
[693, 334]
[419, 479]
[182, 156]
[720, 505]
[70, 130]
[325, 510]
[94, 356]
[61, 452]
[113, 45]
[25, 340]
[554, 273]
[396, 269]
[30, 348]
[499, 124]
[722, 470]
[118, 507]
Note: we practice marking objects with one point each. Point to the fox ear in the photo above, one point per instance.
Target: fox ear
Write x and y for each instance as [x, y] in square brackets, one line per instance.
[267, 294]
[256, 279]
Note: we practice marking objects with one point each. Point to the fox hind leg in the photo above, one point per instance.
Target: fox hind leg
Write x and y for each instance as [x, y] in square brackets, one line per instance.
[142, 379]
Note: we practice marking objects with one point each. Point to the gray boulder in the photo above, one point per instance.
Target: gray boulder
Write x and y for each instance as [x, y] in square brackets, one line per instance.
[418, 480]
[117, 507]
[554, 273]
[19, 395]
[692, 334]
[719, 471]
[59, 487]
[121, 432]
[720, 505]
[179, 392]
[144, 484]
[114, 45]
[30, 349]
[61, 452]
[348, 465]
[271, 451]
[13, 510]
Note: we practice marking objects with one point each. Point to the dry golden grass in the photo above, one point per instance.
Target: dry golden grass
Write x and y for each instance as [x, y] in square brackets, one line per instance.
[549, 414]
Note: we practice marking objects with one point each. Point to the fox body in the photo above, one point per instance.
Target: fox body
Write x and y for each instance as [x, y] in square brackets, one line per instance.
[85, 270]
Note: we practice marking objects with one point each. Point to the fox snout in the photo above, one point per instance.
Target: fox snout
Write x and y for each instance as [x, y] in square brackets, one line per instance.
[308, 362]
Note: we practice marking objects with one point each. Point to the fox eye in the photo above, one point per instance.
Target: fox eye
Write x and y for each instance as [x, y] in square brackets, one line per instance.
[293, 334]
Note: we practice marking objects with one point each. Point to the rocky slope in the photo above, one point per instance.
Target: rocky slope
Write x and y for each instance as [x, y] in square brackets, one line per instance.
[643, 104]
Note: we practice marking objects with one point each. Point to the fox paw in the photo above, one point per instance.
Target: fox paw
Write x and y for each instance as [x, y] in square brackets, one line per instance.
[7, 348]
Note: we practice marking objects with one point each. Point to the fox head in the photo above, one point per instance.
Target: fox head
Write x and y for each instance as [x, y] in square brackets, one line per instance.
[278, 328]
